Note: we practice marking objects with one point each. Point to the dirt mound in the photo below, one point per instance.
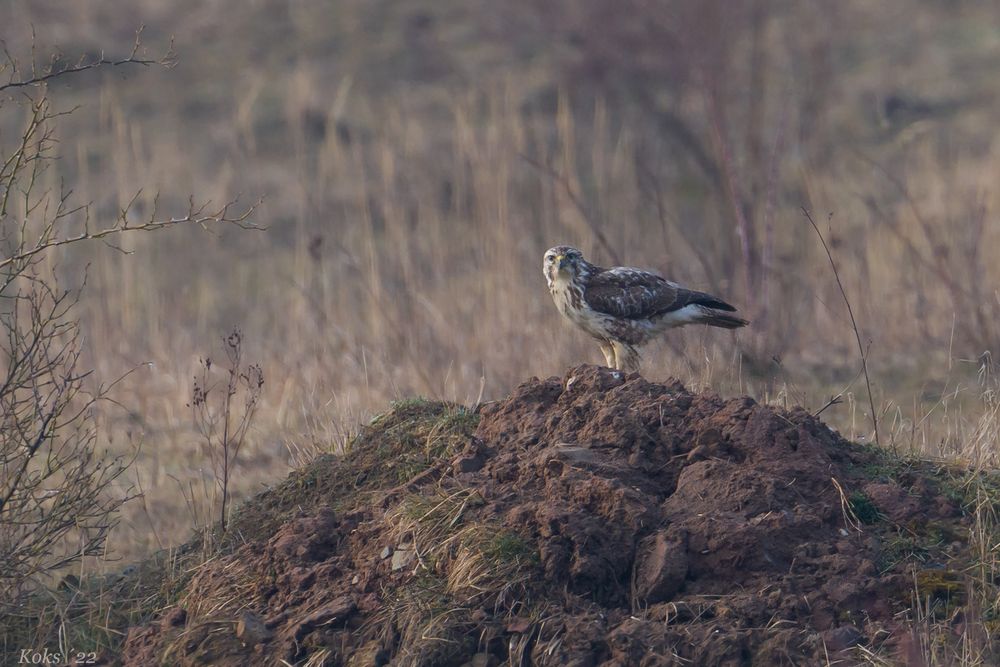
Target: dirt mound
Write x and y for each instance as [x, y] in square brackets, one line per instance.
[593, 519]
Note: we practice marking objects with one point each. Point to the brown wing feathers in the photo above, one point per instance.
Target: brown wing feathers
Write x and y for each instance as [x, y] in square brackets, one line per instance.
[636, 294]
[630, 294]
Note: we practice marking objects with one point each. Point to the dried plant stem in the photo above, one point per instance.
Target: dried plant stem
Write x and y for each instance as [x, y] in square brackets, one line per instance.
[225, 416]
[854, 323]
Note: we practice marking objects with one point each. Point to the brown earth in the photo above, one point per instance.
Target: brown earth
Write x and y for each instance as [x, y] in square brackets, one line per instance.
[595, 519]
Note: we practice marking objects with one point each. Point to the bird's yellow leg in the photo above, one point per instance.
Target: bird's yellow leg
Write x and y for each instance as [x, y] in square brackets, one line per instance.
[626, 357]
[609, 354]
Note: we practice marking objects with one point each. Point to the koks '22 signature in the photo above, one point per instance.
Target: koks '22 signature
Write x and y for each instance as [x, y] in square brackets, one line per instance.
[46, 657]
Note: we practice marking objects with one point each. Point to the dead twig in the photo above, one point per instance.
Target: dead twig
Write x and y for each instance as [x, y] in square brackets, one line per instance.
[197, 214]
[854, 323]
[82, 65]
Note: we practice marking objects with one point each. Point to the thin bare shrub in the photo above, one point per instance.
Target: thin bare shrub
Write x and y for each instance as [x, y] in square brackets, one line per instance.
[224, 411]
[54, 502]
[59, 492]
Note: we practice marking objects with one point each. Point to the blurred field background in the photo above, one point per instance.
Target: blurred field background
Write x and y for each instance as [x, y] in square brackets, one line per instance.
[417, 158]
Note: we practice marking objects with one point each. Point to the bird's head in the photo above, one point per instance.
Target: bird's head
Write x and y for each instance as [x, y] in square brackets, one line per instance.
[562, 262]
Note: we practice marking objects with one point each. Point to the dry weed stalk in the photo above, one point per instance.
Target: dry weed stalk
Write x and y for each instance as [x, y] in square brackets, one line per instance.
[862, 352]
[223, 423]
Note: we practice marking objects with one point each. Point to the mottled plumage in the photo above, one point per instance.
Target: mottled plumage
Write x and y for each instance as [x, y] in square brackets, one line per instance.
[624, 308]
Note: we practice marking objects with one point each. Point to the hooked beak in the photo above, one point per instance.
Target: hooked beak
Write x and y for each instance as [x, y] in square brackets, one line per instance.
[561, 262]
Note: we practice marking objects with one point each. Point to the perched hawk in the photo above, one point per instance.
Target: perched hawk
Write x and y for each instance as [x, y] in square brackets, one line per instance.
[624, 308]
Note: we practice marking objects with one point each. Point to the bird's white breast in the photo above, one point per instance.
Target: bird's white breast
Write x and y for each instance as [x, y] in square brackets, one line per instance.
[570, 302]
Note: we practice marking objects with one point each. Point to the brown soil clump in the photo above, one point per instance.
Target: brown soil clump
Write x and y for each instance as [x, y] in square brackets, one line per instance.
[595, 519]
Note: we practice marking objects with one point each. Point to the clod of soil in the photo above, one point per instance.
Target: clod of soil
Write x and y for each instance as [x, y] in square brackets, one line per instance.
[594, 519]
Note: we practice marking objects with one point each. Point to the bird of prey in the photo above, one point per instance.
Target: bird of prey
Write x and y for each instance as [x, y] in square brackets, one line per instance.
[624, 308]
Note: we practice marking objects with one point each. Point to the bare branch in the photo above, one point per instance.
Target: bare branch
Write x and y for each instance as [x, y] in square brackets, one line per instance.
[195, 215]
[133, 58]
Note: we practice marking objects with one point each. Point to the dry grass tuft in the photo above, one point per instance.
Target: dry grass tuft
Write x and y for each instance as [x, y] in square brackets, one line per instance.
[461, 565]
[479, 562]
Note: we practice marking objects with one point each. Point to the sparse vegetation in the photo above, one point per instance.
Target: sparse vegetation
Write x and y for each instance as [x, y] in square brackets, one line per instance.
[462, 564]
[413, 173]
[60, 490]
[474, 558]
[411, 437]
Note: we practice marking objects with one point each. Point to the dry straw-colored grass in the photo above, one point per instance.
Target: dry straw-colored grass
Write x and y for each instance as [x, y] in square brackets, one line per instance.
[416, 168]
[460, 565]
